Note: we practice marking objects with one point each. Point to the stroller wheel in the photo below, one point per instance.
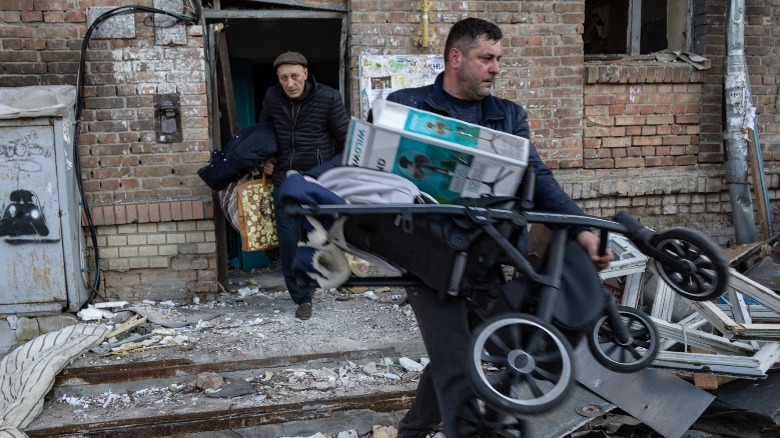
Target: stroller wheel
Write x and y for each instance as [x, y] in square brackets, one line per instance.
[477, 419]
[519, 363]
[632, 354]
[706, 271]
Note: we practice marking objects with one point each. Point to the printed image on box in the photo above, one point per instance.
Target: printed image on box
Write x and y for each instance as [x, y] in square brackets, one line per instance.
[428, 124]
[444, 157]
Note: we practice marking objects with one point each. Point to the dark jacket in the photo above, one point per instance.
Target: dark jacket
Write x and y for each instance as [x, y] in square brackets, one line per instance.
[500, 115]
[247, 150]
[314, 135]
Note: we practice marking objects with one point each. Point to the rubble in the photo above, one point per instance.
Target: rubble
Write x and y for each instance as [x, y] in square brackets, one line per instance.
[246, 351]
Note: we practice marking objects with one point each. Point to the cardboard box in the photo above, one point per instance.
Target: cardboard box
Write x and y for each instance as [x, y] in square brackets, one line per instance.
[444, 157]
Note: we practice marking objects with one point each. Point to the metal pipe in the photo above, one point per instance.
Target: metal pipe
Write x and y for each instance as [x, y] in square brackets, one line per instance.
[424, 39]
[737, 103]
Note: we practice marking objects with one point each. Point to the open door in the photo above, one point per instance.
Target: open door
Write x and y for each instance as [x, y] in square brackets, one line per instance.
[244, 45]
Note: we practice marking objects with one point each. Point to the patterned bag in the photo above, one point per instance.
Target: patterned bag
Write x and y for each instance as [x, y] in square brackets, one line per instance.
[257, 224]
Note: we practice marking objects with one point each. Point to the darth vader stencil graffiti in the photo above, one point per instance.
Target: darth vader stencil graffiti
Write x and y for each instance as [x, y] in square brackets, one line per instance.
[28, 186]
[23, 216]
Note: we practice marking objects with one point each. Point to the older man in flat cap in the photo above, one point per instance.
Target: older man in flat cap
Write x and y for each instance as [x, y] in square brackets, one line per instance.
[311, 125]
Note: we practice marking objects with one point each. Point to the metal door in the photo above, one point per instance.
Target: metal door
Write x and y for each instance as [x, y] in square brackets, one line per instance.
[32, 266]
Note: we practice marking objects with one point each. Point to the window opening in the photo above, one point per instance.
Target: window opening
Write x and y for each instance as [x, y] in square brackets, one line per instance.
[635, 27]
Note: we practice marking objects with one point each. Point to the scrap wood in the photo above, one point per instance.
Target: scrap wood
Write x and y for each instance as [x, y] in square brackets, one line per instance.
[709, 381]
[126, 349]
[127, 325]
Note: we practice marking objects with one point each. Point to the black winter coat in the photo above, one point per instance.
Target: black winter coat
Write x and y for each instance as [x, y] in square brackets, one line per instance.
[314, 135]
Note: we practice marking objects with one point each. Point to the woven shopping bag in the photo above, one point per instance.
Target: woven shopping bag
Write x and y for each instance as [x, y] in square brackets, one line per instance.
[257, 223]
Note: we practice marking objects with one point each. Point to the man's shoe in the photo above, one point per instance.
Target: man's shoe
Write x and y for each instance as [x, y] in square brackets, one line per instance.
[303, 311]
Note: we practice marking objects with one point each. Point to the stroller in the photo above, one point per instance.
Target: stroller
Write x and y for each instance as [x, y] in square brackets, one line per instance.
[520, 354]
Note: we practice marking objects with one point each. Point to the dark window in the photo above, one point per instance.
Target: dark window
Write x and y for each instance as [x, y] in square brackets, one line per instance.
[636, 27]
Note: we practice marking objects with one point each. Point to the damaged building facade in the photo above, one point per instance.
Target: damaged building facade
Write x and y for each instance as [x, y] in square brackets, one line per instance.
[626, 105]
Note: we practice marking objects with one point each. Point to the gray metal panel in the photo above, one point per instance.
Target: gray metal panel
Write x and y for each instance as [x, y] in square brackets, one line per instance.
[40, 267]
[565, 417]
[665, 402]
[73, 240]
[31, 257]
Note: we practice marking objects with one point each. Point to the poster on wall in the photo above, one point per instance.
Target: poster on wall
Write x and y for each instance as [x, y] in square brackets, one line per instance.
[380, 75]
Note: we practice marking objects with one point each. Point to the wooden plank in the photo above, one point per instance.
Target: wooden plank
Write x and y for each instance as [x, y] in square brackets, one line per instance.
[225, 85]
[709, 381]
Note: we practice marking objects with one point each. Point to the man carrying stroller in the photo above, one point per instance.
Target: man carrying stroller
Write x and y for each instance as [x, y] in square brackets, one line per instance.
[472, 54]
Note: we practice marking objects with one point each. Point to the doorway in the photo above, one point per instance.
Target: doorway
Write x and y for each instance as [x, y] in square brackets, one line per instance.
[253, 44]
[250, 41]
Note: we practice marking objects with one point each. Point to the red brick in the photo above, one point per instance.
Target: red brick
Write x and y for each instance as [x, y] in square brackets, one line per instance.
[186, 210]
[121, 214]
[143, 213]
[175, 211]
[199, 210]
[165, 211]
[97, 216]
[108, 215]
[132, 213]
[154, 212]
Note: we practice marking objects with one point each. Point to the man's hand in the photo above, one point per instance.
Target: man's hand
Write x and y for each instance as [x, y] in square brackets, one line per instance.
[590, 243]
[268, 167]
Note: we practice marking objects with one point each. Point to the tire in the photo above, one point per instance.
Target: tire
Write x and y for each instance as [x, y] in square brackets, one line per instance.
[476, 419]
[707, 271]
[519, 364]
[636, 353]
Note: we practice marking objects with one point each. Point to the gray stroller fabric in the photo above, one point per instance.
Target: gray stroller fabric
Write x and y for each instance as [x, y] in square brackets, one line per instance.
[358, 185]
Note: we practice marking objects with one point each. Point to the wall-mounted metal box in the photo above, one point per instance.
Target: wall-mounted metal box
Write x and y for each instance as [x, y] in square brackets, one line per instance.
[42, 248]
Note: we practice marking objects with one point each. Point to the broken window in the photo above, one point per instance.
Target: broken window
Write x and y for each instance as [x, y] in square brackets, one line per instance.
[638, 27]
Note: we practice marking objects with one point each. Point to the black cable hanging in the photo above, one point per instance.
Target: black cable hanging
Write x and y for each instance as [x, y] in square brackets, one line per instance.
[193, 18]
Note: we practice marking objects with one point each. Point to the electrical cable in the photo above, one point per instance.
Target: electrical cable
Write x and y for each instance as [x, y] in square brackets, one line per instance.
[194, 18]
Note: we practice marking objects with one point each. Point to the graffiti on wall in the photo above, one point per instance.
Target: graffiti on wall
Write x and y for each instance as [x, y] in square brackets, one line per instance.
[25, 163]
[23, 216]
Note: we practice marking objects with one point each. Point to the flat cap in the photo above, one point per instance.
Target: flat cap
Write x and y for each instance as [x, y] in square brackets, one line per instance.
[290, 58]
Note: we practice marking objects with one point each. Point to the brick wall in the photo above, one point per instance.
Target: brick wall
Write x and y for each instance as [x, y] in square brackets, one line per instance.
[644, 137]
[158, 260]
[763, 67]
[542, 59]
[153, 213]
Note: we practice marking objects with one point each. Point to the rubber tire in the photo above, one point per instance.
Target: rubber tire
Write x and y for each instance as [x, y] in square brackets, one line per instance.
[476, 419]
[644, 335]
[711, 275]
[552, 381]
